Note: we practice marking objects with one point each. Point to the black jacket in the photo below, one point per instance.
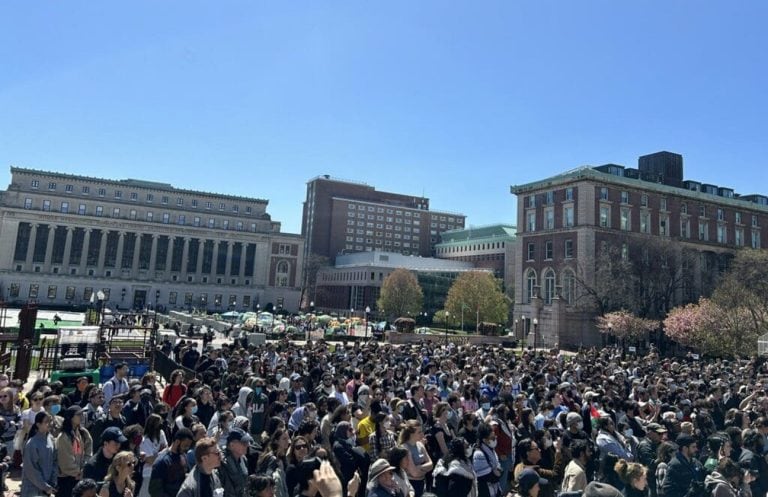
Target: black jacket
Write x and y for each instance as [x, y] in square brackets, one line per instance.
[350, 459]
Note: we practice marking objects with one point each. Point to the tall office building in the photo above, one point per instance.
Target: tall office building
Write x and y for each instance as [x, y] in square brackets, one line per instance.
[344, 217]
[64, 237]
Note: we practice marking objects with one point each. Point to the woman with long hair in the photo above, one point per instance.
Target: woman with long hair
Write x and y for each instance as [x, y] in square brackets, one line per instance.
[39, 470]
[185, 414]
[12, 416]
[74, 447]
[118, 478]
[634, 476]
[398, 458]
[152, 443]
[412, 438]
[382, 440]
[28, 415]
[176, 390]
[454, 474]
[272, 460]
[296, 453]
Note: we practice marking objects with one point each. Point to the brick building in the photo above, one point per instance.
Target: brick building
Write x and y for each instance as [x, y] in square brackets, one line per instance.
[344, 217]
[565, 220]
[142, 243]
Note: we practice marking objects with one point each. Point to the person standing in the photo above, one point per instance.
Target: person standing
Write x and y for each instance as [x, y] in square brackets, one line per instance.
[203, 480]
[117, 385]
[234, 469]
[170, 468]
[39, 472]
[118, 483]
[74, 447]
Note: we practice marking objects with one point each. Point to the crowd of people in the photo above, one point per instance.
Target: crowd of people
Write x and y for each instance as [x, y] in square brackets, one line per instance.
[376, 420]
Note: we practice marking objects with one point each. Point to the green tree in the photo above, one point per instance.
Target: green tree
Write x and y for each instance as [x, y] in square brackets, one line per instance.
[480, 297]
[400, 295]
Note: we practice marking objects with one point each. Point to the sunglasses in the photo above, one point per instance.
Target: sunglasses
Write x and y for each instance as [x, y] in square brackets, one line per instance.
[132, 463]
[300, 446]
[5, 397]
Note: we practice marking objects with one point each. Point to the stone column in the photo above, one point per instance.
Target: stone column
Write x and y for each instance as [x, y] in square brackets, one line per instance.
[153, 254]
[31, 248]
[68, 245]
[214, 263]
[169, 257]
[49, 249]
[200, 252]
[102, 251]
[135, 262]
[84, 256]
[184, 257]
[119, 253]
[228, 267]
[243, 248]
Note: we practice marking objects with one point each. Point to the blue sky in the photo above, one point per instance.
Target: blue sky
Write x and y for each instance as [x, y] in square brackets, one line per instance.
[453, 100]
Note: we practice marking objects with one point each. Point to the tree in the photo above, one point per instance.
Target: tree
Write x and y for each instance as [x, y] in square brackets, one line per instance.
[400, 294]
[312, 265]
[480, 296]
[625, 326]
[713, 329]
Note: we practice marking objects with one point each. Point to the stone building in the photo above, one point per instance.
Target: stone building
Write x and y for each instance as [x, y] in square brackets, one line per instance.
[143, 244]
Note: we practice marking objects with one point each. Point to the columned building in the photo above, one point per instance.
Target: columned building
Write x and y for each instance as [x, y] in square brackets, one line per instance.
[142, 244]
[566, 221]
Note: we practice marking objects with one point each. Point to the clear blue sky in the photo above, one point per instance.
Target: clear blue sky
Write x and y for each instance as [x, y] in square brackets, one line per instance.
[455, 100]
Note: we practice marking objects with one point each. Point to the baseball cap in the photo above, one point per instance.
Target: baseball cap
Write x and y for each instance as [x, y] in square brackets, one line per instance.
[238, 435]
[113, 434]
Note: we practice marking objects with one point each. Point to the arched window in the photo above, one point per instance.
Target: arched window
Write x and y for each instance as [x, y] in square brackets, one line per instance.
[530, 285]
[281, 273]
[569, 286]
[549, 286]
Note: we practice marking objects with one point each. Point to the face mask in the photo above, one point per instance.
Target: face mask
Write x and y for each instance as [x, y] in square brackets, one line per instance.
[279, 376]
[492, 444]
[352, 440]
[136, 440]
[580, 425]
[194, 410]
[628, 432]
[486, 406]
[547, 443]
[387, 425]
[55, 409]
[468, 452]
[257, 390]
[679, 415]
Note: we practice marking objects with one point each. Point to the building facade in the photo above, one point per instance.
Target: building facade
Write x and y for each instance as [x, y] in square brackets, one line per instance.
[356, 279]
[487, 247]
[343, 217]
[64, 237]
[565, 221]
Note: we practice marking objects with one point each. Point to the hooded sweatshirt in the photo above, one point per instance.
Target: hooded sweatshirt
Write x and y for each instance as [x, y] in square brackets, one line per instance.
[457, 469]
[240, 407]
[718, 486]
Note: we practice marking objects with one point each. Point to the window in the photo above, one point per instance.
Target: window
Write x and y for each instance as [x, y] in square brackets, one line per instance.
[27, 203]
[116, 212]
[530, 286]
[754, 220]
[196, 221]
[755, 239]
[132, 214]
[86, 190]
[684, 208]
[209, 205]
[134, 196]
[739, 237]
[64, 207]
[720, 214]
[663, 204]
[81, 209]
[211, 223]
[33, 289]
[645, 222]
[164, 200]
[702, 211]
[179, 201]
[150, 216]
[549, 218]
[738, 217]
[181, 219]
[150, 197]
[102, 192]
[722, 234]
[222, 206]
[531, 224]
[569, 286]
[626, 221]
[569, 194]
[281, 273]
[52, 186]
[118, 194]
[69, 188]
[35, 184]
[603, 193]
[531, 251]
[532, 201]
[235, 208]
[624, 197]
[549, 286]
[548, 252]
[644, 200]
[99, 210]
[46, 205]
[225, 224]
[550, 198]
[664, 225]
[568, 217]
[568, 252]
[605, 216]
[239, 226]
[194, 203]
[166, 218]
[685, 227]
[703, 231]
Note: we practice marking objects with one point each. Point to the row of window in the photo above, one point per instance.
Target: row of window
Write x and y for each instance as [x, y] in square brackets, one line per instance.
[133, 214]
[381, 210]
[548, 198]
[379, 234]
[363, 224]
[549, 219]
[549, 250]
[387, 243]
[148, 198]
[550, 288]
[471, 248]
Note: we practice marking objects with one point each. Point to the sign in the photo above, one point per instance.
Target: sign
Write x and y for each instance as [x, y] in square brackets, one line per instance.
[695, 357]
[633, 349]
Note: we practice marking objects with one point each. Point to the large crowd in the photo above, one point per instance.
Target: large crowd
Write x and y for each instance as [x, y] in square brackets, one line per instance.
[376, 420]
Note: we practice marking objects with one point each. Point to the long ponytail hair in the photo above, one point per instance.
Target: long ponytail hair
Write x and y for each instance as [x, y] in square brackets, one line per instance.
[39, 418]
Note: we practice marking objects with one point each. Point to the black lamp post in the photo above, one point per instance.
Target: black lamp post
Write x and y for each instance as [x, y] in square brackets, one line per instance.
[447, 315]
[535, 325]
[367, 310]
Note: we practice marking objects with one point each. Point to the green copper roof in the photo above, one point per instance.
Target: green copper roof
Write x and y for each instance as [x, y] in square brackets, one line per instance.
[493, 232]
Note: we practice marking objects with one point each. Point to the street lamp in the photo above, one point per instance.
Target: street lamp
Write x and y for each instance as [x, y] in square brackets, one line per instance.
[447, 315]
[312, 306]
[367, 310]
[535, 325]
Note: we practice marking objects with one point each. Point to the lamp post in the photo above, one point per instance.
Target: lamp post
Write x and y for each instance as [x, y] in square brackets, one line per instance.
[447, 315]
[535, 325]
[351, 315]
[367, 310]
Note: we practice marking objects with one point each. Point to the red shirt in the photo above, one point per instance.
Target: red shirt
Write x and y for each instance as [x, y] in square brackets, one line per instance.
[172, 394]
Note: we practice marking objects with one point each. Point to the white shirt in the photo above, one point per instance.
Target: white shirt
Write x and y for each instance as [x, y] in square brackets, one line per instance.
[151, 449]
